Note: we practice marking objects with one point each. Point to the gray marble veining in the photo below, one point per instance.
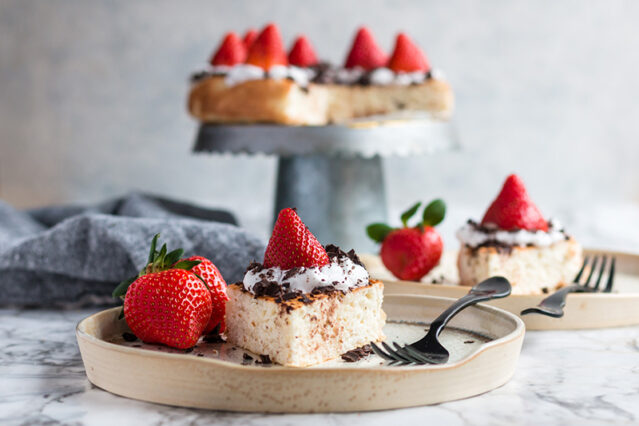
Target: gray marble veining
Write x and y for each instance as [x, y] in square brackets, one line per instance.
[563, 377]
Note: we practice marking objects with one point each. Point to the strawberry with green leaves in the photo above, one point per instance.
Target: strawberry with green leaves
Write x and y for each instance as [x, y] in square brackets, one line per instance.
[411, 252]
[168, 302]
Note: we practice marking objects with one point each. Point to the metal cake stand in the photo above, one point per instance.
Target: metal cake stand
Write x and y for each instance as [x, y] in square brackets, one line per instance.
[333, 174]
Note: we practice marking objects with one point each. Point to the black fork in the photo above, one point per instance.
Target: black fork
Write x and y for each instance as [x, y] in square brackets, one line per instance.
[428, 350]
[553, 305]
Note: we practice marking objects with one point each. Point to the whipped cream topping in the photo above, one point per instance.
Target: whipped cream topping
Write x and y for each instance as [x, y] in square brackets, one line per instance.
[245, 72]
[343, 273]
[386, 77]
[322, 73]
[474, 235]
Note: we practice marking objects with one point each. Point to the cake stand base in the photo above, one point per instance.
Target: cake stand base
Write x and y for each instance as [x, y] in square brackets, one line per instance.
[336, 196]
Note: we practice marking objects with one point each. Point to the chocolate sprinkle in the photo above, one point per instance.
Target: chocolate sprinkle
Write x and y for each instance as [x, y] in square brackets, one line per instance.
[264, 359]
[129, 337]
[357, 353]
[468, 342]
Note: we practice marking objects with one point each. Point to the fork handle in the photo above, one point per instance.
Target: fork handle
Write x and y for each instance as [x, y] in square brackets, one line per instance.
[470, 299]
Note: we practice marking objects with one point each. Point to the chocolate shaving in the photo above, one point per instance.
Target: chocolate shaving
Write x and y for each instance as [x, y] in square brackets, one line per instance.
[213, 338]
[129, 337]
[357, 353]
[468, 342]
[290, 295]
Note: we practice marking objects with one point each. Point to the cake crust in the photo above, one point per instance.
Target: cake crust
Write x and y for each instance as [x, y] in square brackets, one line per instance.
[285, 102]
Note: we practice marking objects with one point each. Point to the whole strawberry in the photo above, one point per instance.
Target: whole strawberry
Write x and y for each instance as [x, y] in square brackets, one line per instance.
[232, 51]
[292, 245]
[513, 209]
[365, 52]
[407, 57]
[268, 49]
[217, 287]
[411, 252]
[166, 302]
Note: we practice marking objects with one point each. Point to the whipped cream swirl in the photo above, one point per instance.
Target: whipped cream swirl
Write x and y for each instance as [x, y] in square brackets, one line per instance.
[474, 235]
[343, 273]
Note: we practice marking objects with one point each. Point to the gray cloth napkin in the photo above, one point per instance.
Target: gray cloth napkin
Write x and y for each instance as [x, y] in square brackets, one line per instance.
[73, 256]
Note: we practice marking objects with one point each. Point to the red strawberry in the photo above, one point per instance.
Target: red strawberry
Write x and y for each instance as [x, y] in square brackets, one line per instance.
[513, 209]
[302, 53]
[249, 38]
[166, 302]
[292, 244]
[231, 52]
[268, 49]
[407, 57]
[411, 252]
[217, 286]
[171, 307]
[365, 52]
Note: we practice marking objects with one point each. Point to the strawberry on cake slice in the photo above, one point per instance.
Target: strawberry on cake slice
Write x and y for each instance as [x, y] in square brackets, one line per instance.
[253, 80]
[515, 241]
[305, 304]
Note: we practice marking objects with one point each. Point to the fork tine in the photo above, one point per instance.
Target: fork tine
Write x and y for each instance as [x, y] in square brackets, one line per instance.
[602, 269]
[392, 353]
[403, 353]
[595, 260]
[611, 275]
[581, 271]
[381, 353]
[417, 354]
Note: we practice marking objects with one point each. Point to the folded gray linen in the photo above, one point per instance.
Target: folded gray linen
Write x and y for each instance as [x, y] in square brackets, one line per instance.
[74, 256]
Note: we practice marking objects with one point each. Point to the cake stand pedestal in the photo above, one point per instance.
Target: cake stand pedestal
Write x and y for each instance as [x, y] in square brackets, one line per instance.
[333, 174]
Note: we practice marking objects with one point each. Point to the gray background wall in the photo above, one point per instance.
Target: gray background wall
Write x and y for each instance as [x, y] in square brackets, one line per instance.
[92, 99]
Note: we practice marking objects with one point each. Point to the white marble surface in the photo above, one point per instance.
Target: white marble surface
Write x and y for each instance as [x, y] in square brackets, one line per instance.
[563, 377]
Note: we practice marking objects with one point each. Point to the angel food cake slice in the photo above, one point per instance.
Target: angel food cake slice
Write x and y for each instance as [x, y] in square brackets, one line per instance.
[515, 241]
[305, 304]
[255, 81]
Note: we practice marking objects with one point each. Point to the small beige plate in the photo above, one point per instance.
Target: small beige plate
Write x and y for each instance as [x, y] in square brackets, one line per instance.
[485, 343]
[583, 310]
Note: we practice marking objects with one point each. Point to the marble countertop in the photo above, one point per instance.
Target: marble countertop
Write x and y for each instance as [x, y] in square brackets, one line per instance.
[563, 377]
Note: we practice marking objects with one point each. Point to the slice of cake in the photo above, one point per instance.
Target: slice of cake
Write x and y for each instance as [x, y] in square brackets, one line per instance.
[515, 241]
[305, 304]
[259, 83]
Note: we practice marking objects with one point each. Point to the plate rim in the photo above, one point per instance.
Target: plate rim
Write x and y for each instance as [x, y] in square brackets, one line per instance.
[517, 333]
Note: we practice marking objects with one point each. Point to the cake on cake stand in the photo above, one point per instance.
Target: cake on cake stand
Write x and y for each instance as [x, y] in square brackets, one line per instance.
[333, 174]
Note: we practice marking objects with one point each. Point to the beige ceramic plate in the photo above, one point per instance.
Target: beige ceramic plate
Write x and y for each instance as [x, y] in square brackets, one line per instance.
[583, 310]
[484, 342]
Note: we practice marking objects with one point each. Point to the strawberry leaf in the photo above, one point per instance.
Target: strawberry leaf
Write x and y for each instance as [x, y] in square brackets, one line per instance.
[378, 231]
[154, 243]
[121, 314]
[409, 213]
[120, 290]
[434, 213]
[173, 256]
[186, 264]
